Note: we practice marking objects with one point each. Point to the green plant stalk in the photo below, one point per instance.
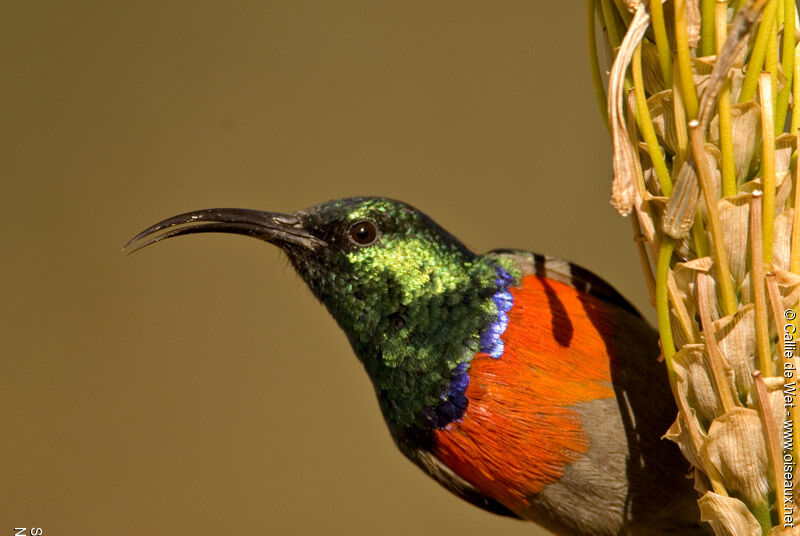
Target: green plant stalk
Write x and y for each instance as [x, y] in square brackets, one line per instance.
[594, 62]
[610, 20]
[646, 125]
[728, 167]
[787, 66]
[771, 59]
[756, 61]
[724, 278]
[662, 301]
[662, 41]
[767, 164]
[796, 92]
[688, 90]
[782, 107]
[623, 13]
[679, 114]
[699, 236]
[707, 27]
[757, 288]
[787, 53]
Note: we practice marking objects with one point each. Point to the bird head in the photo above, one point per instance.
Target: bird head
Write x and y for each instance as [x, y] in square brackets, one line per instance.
[410, 297]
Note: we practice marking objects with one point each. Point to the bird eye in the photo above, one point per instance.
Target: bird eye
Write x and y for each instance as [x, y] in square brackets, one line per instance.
[363, 233]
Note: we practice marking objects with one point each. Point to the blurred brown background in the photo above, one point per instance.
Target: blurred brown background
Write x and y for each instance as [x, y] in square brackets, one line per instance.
[197, 387]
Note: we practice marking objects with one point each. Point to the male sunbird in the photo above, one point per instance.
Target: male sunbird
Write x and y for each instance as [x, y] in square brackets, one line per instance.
[522, 383]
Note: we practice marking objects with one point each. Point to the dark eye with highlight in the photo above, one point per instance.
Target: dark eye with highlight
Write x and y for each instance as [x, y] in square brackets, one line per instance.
[363, 233]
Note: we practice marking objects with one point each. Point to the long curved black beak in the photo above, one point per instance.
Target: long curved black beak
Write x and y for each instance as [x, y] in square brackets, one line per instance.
[273, 227]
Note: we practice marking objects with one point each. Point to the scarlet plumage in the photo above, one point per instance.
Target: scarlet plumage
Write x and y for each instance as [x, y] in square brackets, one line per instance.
[519, 429]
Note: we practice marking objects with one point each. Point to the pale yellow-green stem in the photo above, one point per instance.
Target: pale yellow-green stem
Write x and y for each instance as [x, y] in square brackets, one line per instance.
[594, 62]
[662, 301]
[707, 27]
[787, 53]
[610, 20]
[757, 286]
[750, 83]
[796, 94]
[679, 115]
[771, 58]
[728, 167]
[662, 41]
[767, 163]
[623, 12]
[646, 125]
[787, 66]
[688, 90]
[781, 107]
[720, 256]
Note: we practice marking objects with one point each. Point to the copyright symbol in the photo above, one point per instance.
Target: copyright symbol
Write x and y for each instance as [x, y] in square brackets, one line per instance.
[789, 314]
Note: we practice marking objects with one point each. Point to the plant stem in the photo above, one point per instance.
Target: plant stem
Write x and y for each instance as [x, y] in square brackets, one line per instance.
[767, 163]
[646, 125]
[688, 90]
[594, 62]
[757, 286]
[756, 61]
[707, 27]
[662, 301]
[610, 19]
[662, 41]
[724, 279]
[729, 186]
[796, 93]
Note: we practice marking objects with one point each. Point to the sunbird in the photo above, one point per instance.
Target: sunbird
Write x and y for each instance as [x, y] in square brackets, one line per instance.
[522, 383]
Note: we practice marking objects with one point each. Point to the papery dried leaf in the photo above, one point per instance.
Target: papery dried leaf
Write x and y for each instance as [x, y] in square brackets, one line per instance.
[685, 284]
[662, 114]
[651, 69]
[646, 224]
[682, 432]
[713, 158]
[703, 264]
[745, 290]
[694, 380]
[782, 239]
[784, 189]
[682, 205]
[623, 187]
[693, 22]
[708, 295]
[784, 146]
[746, 131]
[685, 276]
[727, 516]
[730, 56]
[736, 447]
[734, 218]
[632, 5]
[678, 336]
[704, 65]
[789, 286]
[736, 336]
[775, 401]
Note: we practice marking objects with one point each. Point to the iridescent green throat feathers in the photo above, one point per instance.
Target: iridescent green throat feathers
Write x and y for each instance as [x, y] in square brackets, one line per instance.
[411, 298]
